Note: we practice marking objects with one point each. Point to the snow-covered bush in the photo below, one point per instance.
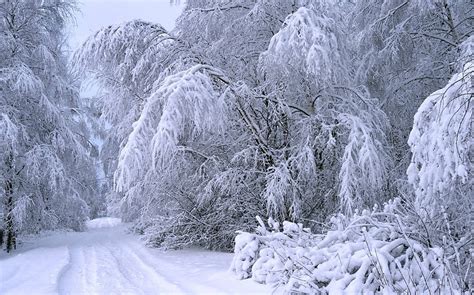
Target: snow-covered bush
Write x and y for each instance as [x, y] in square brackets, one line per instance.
[257, 256]
[373, 251]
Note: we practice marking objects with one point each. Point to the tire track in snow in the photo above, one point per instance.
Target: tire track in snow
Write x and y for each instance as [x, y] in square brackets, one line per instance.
[162, 280]
[111, 274]
[139, 252]
[142, 253]
[83, 271]
[91, 261]
[125, 272]
[151, 282]
[60, 280]
[83, 275]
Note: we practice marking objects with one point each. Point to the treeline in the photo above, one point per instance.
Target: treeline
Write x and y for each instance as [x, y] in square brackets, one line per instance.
[294, 110]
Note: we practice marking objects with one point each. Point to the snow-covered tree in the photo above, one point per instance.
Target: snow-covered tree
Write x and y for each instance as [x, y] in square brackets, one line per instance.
[442, 146]
[404, 51]
[306, 68]
[46, 171]
[125, 60]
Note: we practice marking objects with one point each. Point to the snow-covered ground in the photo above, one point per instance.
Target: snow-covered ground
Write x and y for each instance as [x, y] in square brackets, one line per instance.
[107, 260]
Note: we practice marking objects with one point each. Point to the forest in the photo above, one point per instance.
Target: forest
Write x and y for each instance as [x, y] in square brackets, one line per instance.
[327, 144]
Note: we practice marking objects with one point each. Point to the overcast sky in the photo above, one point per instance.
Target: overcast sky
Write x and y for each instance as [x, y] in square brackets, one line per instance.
[96, 14]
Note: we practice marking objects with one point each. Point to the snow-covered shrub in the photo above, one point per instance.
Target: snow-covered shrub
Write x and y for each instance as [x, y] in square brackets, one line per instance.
[373, 251]
[257, 255]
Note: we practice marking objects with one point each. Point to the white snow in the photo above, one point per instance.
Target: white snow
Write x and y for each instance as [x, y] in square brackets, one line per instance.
[107, 260]
[103, 222]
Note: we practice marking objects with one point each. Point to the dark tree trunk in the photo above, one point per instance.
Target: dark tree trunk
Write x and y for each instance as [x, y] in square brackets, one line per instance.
[1, 237]
[9, 226]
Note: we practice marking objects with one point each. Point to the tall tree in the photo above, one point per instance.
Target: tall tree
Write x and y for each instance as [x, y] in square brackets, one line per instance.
[47, 173]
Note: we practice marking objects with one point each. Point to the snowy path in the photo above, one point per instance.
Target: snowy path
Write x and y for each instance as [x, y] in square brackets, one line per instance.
[106, 260]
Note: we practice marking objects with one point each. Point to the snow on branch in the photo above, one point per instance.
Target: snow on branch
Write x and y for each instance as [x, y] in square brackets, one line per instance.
[126, 59]
[363, 165]
[8, 133]
[22, 79]
[42, 163]
[120, 45]
[279, 188]
[306, 41]
[185, 105]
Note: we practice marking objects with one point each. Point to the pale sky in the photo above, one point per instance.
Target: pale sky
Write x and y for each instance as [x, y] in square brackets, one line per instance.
[95, 14]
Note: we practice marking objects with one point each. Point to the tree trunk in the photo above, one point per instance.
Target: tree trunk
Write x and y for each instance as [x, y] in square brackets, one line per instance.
[9, 230]
[8, 220]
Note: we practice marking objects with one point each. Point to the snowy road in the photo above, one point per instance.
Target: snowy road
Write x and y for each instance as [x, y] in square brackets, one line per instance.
[106, 260]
